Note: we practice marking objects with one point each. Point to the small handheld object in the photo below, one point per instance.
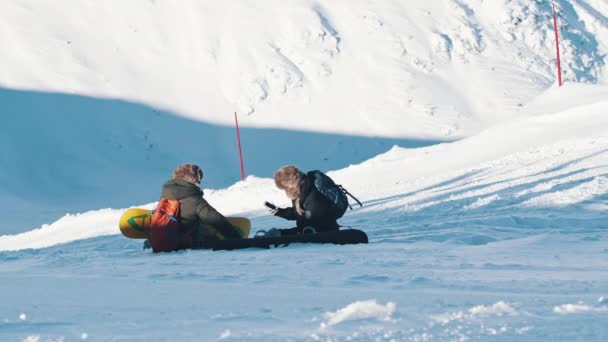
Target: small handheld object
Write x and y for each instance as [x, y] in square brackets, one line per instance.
[270, 205]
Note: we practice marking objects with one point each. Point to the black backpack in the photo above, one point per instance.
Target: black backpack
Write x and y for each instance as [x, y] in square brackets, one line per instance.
[334, 192]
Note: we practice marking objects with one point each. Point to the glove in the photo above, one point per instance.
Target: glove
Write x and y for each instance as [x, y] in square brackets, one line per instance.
[280, 212]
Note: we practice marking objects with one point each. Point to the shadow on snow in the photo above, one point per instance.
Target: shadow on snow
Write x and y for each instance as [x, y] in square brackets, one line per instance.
[64, 153]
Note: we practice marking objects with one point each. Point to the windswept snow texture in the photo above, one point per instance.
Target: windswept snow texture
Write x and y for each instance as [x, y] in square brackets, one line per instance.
[485, 186]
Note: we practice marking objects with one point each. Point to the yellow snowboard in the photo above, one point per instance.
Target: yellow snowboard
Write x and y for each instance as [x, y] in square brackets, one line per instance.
[134, 221]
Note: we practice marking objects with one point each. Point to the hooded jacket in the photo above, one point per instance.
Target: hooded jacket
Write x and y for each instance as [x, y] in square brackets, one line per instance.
[195, 210]
[318, 210]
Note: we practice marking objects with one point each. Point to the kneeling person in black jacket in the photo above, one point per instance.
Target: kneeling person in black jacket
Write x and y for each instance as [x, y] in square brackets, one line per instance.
[310, 208]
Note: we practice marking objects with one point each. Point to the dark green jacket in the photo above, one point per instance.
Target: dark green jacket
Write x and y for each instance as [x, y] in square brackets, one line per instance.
[195, 210]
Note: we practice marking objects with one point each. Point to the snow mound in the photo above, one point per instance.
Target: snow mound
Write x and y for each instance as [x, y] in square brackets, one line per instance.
[360, 310]
[497, 309]
[578, 308]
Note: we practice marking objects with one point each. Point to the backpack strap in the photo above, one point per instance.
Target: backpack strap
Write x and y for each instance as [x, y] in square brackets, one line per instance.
[350, 195]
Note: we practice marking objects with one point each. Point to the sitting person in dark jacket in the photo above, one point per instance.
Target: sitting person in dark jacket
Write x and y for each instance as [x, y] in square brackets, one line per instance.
[312, 211]
[195, 211]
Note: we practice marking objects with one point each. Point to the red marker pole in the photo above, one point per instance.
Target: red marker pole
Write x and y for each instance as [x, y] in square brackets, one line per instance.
[559, 66]
[238, 138]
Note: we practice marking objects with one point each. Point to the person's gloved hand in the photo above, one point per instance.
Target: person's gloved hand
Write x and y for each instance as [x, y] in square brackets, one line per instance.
[280, 212]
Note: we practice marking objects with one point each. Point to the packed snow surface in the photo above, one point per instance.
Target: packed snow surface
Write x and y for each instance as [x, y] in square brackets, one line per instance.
[484, 185]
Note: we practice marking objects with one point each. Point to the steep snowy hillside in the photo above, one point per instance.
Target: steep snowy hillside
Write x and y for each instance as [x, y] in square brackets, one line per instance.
[445, 68]
[99, 96]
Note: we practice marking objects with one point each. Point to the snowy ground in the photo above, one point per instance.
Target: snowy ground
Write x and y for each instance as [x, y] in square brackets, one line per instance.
[487, 221]
[548, 286]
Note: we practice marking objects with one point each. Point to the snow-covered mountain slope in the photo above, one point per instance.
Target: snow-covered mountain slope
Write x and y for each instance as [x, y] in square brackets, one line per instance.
[103, 99]
[446, 68]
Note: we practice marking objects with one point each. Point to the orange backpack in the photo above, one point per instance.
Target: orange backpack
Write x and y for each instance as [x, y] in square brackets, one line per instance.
[164, 227]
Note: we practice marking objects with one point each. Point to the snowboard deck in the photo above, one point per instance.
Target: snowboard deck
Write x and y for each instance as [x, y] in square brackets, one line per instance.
[134, 222]
[340, 237]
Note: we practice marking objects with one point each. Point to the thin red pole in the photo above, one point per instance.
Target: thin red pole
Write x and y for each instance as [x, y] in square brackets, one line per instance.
[559, 65]
[238, 138]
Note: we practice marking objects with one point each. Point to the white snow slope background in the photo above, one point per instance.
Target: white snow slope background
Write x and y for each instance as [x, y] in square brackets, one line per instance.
[484, 184]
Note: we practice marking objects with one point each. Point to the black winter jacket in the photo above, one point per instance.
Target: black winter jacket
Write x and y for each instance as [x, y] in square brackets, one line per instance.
[195, 210]
[318, 210]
